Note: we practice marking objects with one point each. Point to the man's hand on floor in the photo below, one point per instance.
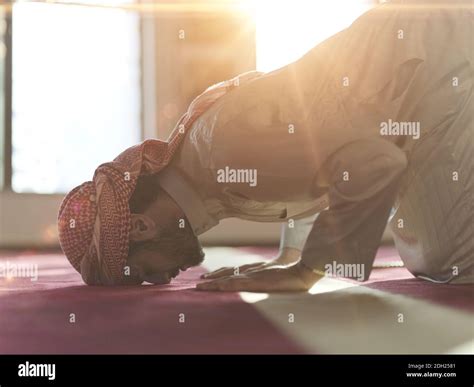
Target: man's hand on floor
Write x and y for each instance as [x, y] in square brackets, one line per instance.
[286, 256]
[269, 279]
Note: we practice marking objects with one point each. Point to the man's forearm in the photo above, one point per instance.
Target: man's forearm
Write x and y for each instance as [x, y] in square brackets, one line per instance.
[349, 232]
[294, 235]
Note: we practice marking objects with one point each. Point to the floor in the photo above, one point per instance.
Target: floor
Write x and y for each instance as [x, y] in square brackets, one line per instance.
[391, 313]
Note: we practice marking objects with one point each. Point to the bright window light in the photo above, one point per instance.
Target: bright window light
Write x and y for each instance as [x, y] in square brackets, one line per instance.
[287, 29]
[76, 92]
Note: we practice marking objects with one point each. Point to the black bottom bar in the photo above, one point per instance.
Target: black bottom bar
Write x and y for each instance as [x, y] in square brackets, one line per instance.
[315, 370]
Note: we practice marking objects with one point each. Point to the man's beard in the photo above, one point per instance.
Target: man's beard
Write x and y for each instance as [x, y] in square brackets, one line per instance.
[181, 245]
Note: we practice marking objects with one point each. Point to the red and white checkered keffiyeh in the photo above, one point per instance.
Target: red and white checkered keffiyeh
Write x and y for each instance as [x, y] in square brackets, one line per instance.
[94, 218]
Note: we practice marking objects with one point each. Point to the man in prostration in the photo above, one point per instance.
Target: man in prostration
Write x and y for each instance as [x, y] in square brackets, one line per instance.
[373, 125]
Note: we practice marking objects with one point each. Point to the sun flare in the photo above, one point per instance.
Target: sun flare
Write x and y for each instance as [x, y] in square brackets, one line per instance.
[286, 29]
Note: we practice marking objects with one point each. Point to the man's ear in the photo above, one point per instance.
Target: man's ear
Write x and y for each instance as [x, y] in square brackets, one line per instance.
[142, 228]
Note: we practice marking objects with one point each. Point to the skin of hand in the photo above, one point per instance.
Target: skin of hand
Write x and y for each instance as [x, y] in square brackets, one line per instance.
[296, 277]
[286, 256]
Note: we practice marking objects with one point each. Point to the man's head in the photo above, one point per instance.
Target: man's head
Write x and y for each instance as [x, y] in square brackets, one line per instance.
[105, 226]
[161, 239]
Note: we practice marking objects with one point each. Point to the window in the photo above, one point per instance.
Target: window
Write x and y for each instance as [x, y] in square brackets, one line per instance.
[75, 92]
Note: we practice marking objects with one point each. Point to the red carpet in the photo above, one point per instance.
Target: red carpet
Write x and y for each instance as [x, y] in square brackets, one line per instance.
[34, 316]
[398, 280]
[460, 297]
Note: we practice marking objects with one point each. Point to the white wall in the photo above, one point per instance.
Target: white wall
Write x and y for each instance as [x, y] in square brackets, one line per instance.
[29, 220]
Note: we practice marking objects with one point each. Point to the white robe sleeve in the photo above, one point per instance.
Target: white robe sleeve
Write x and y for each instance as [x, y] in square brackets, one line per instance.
[295, 237]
